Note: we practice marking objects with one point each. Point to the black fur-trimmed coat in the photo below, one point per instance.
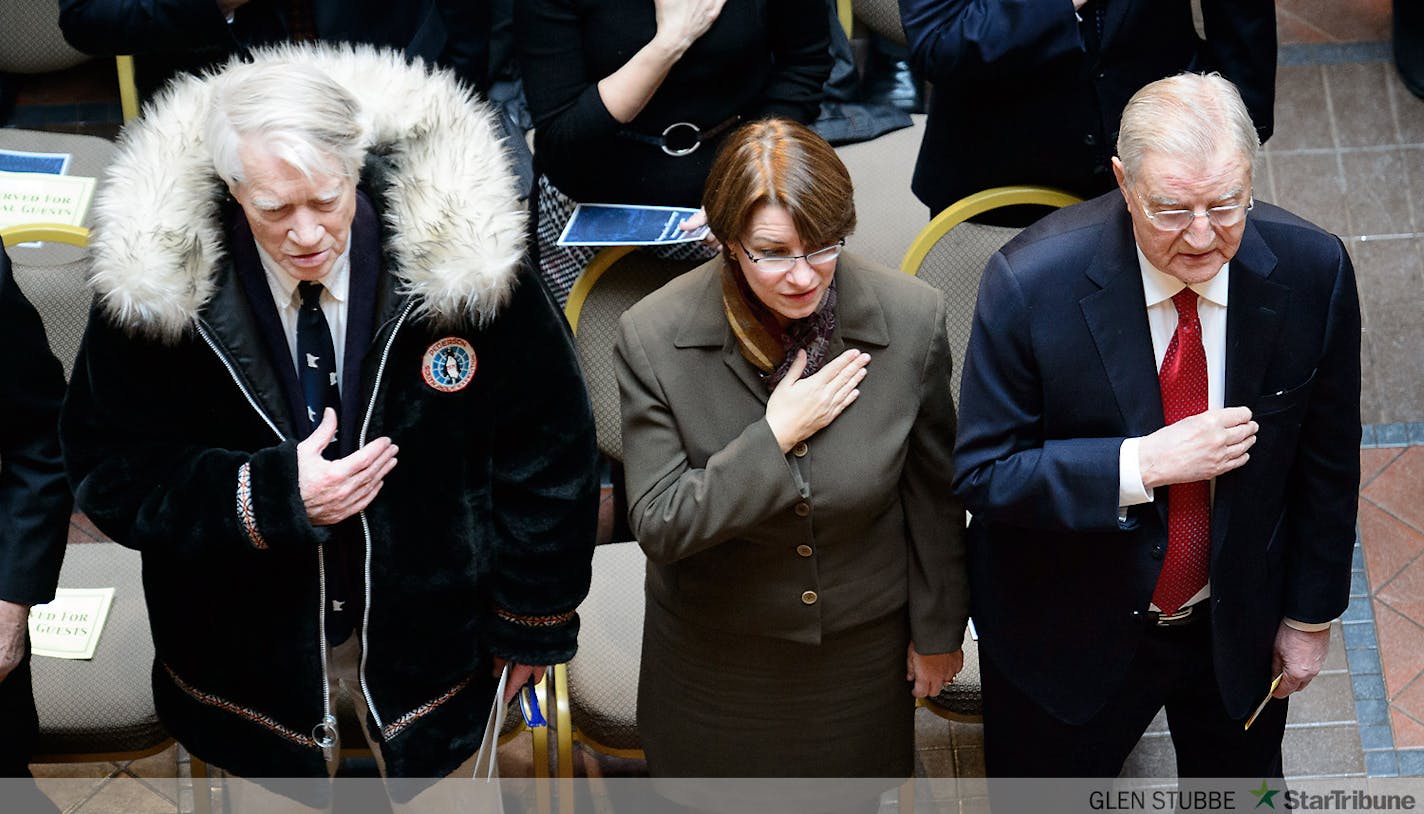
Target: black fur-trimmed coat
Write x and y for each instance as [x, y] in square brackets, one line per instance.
[179, 442]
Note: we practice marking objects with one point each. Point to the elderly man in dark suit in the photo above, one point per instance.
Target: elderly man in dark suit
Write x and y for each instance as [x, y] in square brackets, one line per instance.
[1030, 91]
[1159, 433]
[34, 514]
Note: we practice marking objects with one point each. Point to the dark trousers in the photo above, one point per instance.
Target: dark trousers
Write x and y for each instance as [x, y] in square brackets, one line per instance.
[1173, 669]
[21, 726]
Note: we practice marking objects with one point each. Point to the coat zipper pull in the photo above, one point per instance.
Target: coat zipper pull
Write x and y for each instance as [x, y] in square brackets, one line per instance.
[325, 735]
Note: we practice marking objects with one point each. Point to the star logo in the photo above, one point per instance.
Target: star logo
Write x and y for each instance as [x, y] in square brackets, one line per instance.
[1265, 795]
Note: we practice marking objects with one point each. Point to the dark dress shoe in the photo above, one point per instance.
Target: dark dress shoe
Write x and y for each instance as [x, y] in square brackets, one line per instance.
[893, 84]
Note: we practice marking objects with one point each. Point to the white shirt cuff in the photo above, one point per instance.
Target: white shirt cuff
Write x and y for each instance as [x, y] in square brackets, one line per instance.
[1306, 627]
[1130, 490]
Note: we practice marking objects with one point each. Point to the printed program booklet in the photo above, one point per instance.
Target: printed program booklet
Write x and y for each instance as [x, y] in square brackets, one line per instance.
[69, 626]
[21, 161]
[619, 225]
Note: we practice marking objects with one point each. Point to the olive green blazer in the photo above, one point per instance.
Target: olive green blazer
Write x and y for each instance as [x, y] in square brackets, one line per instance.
[856, 523]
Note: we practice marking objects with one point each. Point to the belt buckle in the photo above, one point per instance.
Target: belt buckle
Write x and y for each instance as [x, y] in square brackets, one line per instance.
[696, 139]
[1178, 617]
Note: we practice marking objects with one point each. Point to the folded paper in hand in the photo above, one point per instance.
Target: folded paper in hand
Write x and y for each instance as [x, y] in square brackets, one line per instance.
[617, 225]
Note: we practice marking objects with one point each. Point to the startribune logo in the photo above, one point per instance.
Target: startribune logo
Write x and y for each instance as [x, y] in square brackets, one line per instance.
[1265, 795]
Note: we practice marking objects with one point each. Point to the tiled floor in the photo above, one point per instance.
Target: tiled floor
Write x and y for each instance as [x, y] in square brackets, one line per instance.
[1392, 525]
[1348, 153]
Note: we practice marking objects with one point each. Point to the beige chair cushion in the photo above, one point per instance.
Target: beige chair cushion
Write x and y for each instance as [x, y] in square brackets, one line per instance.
[631, 278]
[30, 40]
[105, 704]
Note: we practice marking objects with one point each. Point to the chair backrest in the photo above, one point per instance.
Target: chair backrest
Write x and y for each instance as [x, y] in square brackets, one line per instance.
[882, 17]
[603, 675]
[54, 276]
[950, 253]
[30, 39]
[614, 280]
[55, 281]
[102, 708]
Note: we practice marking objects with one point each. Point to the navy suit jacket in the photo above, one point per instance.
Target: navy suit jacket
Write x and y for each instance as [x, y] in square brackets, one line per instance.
[1022, 97]
[1060, 369]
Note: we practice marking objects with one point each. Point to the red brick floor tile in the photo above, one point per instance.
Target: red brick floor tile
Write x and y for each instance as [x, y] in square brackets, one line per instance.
[1411, 703]
[1405, 593]
[1373, 461]
[1399, 489]
[1408, 733]
[1401, 643]
[1389, 544]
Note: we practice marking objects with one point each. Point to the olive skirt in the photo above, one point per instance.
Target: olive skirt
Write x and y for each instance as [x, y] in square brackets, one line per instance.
[715, 704]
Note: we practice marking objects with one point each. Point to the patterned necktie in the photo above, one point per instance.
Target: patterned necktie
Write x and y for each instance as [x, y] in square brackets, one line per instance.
[1183, 382]
[316, 357]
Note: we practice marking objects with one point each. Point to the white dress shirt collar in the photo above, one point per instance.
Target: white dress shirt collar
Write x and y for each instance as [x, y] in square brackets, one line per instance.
[1159, 286]
[337, 281]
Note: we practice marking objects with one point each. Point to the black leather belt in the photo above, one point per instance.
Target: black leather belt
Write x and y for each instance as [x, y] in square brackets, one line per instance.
[681, 138]
[1183, 616]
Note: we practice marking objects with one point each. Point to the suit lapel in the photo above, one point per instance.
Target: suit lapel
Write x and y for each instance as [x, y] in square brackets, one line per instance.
[1255, 310]
[1117, 318]
[1116, 315]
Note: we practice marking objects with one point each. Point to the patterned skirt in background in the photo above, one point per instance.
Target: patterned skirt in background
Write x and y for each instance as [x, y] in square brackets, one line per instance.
[560, 266]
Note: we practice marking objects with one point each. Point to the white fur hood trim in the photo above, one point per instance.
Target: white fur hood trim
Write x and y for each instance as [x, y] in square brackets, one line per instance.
[457, 224]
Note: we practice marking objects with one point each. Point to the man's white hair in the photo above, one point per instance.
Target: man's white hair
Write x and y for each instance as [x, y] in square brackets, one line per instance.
[294, 112]
[1189, 116]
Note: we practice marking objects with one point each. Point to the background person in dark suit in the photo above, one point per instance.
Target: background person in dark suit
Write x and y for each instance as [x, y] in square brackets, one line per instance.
[1030, 91]
[34, 514]
[194, 34]
[1145, 539]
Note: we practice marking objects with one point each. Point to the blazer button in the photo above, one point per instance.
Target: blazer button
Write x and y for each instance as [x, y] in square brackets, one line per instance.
[803, 550]
[799, 450]
[803, 508]
[808, 598]
[1157, 552]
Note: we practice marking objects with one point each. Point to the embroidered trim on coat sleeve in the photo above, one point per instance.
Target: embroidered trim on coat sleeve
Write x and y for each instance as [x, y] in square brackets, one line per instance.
[534, 621]
[245, 514]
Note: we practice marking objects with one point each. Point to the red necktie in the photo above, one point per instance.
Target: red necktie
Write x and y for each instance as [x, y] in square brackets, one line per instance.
[1183, 381]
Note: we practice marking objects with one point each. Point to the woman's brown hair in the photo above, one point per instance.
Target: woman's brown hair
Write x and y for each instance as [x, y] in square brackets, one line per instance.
[783, 163]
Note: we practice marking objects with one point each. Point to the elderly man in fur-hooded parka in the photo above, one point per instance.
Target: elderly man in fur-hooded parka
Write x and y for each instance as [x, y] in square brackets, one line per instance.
[325, 397]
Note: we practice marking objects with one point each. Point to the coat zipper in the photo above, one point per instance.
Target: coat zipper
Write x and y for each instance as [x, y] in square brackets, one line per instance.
[324, 732]
[365, 524]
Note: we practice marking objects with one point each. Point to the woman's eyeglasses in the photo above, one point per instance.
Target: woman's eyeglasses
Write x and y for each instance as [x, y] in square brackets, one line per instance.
[779, 263]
